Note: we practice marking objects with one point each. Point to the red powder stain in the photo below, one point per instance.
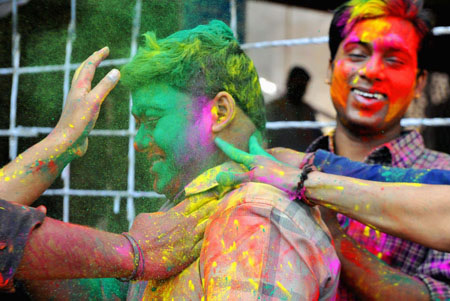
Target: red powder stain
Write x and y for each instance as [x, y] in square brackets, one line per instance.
[52, 166]
[38, 168]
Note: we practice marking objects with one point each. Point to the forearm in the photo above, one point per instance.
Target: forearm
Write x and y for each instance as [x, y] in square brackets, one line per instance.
[25, 178]
[394, 208]
[370, 278]
[58, 250]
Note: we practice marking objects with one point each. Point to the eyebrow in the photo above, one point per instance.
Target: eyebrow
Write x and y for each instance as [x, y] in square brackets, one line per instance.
[390, 43]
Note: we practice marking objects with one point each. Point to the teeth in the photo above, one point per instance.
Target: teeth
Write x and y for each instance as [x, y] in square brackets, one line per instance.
[378, 96]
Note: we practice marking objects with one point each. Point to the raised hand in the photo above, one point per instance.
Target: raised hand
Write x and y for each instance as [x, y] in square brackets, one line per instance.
[172, 240]
[83, 104]
[25, 178]
[263, 167]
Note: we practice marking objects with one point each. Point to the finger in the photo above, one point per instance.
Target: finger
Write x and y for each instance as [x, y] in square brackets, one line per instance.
[197, 249]
[77, 72]
[86, 73]
[201, 208]
[199, 230]
[234, 153]
[105, 86]
[42, 208]
[229, 179]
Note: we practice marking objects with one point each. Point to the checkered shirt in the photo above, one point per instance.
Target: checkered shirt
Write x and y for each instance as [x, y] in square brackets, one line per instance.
[259, 245]
[430, 266]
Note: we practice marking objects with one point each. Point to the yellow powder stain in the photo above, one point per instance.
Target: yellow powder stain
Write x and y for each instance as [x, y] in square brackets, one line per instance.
[368, 206]
[377, 233]
[396, 284]
[367, 231]
[236, 223]
[7, 179]
[13, 176]
[233, 267]
[356, 207]
[359, 183]
[51, 157]
[203, 282]
[46, 148]
[214, 264]
[191, 286]
[17, 160]
[83, 118]
[284, 289]
[262, 228]
[71, 125]
[254, 283]
[380, 255]
[251, 261]
[97, 96]
[64, 135]
[245, 253]
[231, 248]
[20, 172]
[203, 298]
[223, 243]
[281, 266]
[214, 111]
[20, 156]
[290, 265]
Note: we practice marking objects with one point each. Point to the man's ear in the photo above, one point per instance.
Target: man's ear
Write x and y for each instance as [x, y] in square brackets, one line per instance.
[329, 72]
[421, 82]
[225, 108]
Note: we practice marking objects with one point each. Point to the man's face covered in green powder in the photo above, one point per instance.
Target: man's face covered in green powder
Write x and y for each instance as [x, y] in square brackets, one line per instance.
[175, 132]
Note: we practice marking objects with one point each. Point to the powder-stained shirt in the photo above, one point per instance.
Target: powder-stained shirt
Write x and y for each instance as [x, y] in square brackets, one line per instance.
[259, 245]
[430, 266]
[16, 224]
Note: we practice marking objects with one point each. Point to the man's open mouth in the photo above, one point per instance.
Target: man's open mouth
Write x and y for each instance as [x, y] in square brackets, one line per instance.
[369, 95]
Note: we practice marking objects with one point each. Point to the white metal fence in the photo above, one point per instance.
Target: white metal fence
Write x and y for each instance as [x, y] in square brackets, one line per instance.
[15, 131]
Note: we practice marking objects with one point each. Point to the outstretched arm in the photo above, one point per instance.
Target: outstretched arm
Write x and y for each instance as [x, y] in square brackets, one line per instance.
[395, 208]
[170, 241]
[26, 177]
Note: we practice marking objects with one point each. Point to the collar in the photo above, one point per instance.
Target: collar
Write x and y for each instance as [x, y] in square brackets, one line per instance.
[207, 180]
[402, 151]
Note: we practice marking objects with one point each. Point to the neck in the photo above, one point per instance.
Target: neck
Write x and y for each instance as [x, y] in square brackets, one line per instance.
[356, 146]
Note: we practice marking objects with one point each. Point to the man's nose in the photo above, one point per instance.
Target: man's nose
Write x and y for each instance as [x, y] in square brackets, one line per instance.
[374, 69]
[142, 141]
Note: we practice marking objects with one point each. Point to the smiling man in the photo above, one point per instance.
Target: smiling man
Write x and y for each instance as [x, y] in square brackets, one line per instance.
[375, 72]
[187, 89]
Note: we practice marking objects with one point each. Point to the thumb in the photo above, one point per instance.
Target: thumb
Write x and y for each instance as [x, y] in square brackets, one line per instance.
[226, 178]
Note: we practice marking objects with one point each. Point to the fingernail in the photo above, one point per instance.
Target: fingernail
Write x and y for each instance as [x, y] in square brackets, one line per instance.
[113, 75]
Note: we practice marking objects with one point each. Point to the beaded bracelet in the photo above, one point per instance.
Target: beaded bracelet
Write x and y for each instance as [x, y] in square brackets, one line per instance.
[138, 260]
[301, 189]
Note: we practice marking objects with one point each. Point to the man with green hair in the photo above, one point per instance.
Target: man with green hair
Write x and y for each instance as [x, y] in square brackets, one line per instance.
[188, 89]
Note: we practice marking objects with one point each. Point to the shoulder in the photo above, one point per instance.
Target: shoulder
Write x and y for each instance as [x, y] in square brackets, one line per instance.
[433, 160]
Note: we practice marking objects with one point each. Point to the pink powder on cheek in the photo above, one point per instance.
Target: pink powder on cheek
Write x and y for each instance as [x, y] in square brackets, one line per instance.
[202, 128]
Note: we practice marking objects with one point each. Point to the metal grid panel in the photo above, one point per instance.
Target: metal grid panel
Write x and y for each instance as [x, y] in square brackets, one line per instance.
[14, 131]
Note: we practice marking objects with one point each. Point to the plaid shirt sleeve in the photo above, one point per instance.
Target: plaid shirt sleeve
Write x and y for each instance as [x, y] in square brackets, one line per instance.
[256, 252]
[16, 224]
[435, 273]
